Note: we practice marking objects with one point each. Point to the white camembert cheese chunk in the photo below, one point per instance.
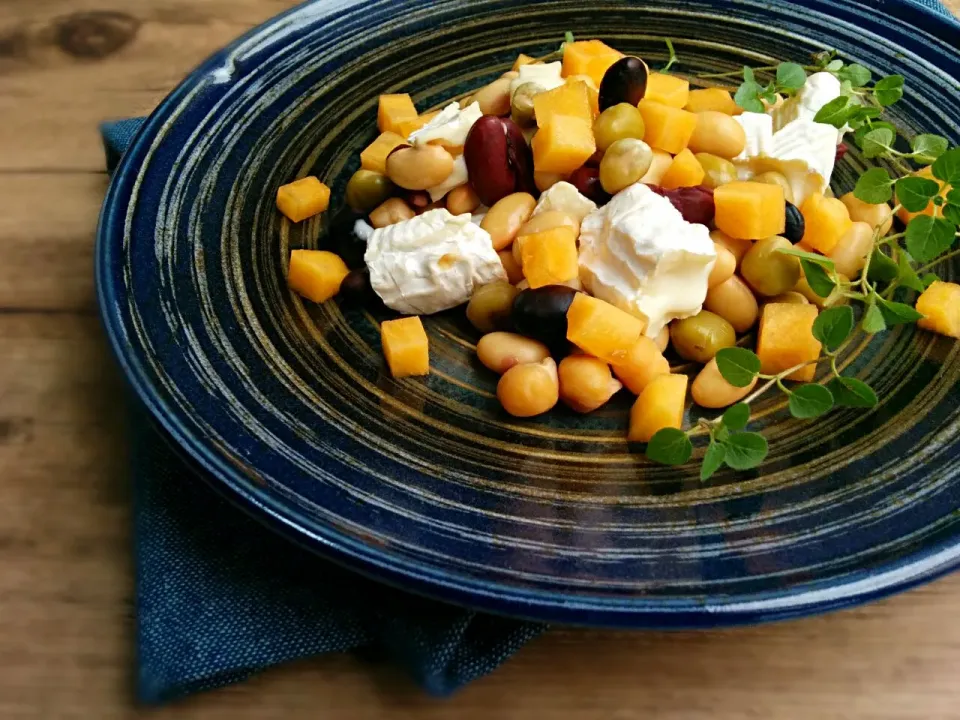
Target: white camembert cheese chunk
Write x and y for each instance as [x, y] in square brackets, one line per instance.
[449, 127]
[549, 76]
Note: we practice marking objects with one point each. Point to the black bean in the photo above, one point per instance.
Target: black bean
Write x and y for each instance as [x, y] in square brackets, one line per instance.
[795, 225]
[624, 82]
[541, 314]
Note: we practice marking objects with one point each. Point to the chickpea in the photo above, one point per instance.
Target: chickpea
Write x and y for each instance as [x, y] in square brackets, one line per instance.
[366, 189]
[529, 389]
[624, 163]
[876, 216]
[500, 351]
[768, 271]
[734, 302]
[419, 168]
[511, 266]
[462, 200]
[506, 217]
[701, 337]
[658, 167]
[711, 390]
[774, 178]
[723, 268]
[586, 383]
[521, 105]
[851, 252]
[718, 134]
[490, 306]
[391, 212]
[719, 171]
[791, 297]
[616, 123]
[739, 248]
[494, 99]
[663, 339]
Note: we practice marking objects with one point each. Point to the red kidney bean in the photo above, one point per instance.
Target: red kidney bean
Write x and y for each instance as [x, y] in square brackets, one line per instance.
[694, 203]
[587, 181]
[841, 151]
[417, 199]
[499, 161]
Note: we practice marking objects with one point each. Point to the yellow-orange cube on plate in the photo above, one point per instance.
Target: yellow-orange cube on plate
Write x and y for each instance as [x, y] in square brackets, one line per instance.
[592, 91]
[750, 210]
[523, 60]
[394, 109]
[374, 156]
[684, 171]
[550, 257]
[667, 128]
[786, 339]
[589, 57]
[659, 406]
[563, 144]
[667, 89]
[826, 221]
[316, 274]
[927, 173]
[601, 329]
[303, 198]
[571, 99]
[405, 346]
[712, 99]
[643, 362]
[940, 306]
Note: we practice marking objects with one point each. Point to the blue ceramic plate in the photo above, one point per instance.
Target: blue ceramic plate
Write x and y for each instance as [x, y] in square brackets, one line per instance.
[426, 483]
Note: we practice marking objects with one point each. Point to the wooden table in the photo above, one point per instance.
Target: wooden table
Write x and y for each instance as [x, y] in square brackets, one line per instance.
[66, 647]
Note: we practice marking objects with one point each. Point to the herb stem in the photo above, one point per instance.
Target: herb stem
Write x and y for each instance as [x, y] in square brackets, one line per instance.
[734, 73]
[930, 265]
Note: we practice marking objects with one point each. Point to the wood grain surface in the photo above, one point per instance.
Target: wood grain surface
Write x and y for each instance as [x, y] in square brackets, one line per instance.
[66, 647]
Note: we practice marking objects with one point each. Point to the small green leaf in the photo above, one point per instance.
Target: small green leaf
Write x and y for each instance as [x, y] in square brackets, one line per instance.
[882, 268]
[947, 167]
[914, 193]
[804, 255]
[670, 447]
[895, 313]
[748, 75]
[877, 142]
[927, 148]
[770, 95]
[833, 66]
[927, 237]
[889, 90]
[929, 279]
[817, 278]
[907, 275]
[865, 112]
[737, 417]
[850, 392]
[951, 212]
[810, 401]
[745, 450]
[712, 460]
[833, 326]
[834, 112]
[874, 186]
[568, 36]
[858, 75]
[738, 366]
[791, 76]
[873, 321]
[861, 132]
[747, 97]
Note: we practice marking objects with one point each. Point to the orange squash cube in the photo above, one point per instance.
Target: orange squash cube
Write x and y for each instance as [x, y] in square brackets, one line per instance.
[712, 99]
[593, 92]
[750, 210]
[667, 89]
[659, 406]
[643, 362]
[394, 109]
[405, 346]
[374, 156]
[826, 220]
[589, 57]
[571, 99]
[316, 274]
[303, 198]
[940, 305]
[563, 144]
[658, 167]
[523, 60]
[406, 128]
[667, 128]
[550, 257]
[684, 171]
[602, 330]
[786, 339]
[924, 172]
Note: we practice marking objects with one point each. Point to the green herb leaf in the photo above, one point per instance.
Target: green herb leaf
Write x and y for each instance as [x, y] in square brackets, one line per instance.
[791, 76]
[947, 167]
[804, 255]
[748, 75]
[670, 447]
[929, 279]
[882, 268]
[914, 193]
[817, 278]
[810, 401]
[738, 366]
[737, 417]
[745, 450]
[895, 313]
[833, 66]
[747, 97]
[951, 212]
[568, 36]
[858, 75]
[833, 326]
[877, 142]
[907, 275]
[927, 148]
[927, 237]
[874, 186]
[889, 90]
[850, 392]
[873, 321]
[861, 132]
[834, 112]
[712, 460]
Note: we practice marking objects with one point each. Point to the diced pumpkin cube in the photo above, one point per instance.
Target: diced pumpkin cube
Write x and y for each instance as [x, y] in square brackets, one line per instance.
[374, 156]
[588, 57]
[750, 210]
[405, 346]
[406, 128]
[303, 198]
[925, 172]
[563, 144]
[571, 99]
[667, 89]
[643, 363]
[602, 330]
[826, 220]
[593, 92]
[712, 99]
[393, 110]
[550, 257]
[658, 167]
[940, 305]
[684, 171]
[659, 406]
[786, 339]
[523, 60]
[667, 128]
[316, 274]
